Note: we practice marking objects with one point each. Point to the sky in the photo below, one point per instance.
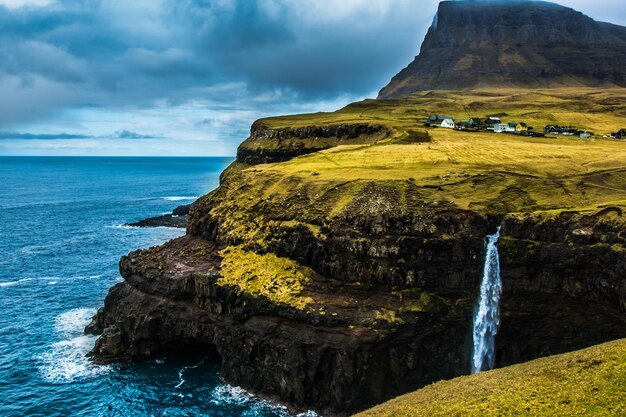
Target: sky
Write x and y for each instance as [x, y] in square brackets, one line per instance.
[188, 77]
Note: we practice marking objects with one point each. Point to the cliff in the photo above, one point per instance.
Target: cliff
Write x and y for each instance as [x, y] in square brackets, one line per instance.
[513, 44]
[337, 264]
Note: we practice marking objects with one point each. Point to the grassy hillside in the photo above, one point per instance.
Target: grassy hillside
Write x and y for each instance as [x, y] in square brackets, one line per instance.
[475, 170]
[598, 110]
[587, 382]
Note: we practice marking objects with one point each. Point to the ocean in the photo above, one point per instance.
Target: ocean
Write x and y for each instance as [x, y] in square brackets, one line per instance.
[61, 237]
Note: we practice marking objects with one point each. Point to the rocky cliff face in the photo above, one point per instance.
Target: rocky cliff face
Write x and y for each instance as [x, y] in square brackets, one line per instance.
[513, 44]
[337, 295]
[267, 145]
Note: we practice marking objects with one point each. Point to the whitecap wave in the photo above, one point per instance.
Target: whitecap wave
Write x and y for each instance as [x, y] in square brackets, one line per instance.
[66, 361]
[53, 282]
[180, 198]
[231, 395]
[121, 226]
[236, 396]
[73, 322]
[12, 283]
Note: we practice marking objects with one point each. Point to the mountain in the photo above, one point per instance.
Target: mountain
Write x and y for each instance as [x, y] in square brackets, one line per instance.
[513, 44]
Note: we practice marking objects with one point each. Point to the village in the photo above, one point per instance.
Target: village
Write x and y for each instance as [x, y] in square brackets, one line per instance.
[495, 124]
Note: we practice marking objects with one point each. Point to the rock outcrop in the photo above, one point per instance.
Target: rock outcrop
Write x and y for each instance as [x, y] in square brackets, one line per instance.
[267, 145]
[513, 44]
[178, 218]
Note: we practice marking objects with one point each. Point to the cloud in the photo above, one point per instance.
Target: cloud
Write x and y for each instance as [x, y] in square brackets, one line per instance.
[41, 136]
[13, 4]
[201, 70]
[126, 134]
[123, 134]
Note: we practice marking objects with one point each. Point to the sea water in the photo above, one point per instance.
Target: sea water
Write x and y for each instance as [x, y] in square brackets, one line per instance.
[61, 237]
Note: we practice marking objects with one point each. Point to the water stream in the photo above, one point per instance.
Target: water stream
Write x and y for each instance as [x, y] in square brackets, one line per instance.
[487, 312]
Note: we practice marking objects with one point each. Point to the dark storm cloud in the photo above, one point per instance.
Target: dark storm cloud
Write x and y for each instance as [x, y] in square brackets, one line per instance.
[199, 70]
[112, 53]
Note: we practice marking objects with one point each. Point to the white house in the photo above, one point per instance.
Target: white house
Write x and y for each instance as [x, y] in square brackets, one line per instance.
[448, 123]
[503, 128]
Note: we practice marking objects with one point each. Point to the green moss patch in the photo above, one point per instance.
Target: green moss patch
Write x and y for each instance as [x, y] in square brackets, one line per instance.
[280, 280]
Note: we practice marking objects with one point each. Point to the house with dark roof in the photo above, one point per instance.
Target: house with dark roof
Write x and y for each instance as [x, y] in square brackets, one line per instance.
[621, 134]
[437, 121]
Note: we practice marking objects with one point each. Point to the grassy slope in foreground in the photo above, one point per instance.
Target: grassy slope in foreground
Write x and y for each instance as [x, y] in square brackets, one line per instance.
[586, 382]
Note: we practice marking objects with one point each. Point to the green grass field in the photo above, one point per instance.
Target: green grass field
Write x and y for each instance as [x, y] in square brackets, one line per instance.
[590, 382]
[601, 111]
[471, 170]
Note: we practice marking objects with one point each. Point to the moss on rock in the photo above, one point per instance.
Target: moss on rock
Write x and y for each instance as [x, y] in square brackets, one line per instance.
[280, 280]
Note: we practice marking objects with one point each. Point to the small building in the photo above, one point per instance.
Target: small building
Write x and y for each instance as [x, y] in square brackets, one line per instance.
[447, 123]
[503, 128]
[561, 130]
[476, 123]
[463, 125]
[436, 121]
[620, 134]
[520, 127]
[585, 135]
[490, 122]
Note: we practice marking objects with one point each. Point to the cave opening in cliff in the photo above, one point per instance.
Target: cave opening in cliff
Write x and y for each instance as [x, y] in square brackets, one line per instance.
[192, 350]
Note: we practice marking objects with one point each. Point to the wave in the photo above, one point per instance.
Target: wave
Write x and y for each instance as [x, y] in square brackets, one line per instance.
[145, 229]
[180, 198]
[66, 361]
[121, 226]
[51, 279]
[74, 321]
[182, 371]
[12, 283]
[236, 396]
[231, 395]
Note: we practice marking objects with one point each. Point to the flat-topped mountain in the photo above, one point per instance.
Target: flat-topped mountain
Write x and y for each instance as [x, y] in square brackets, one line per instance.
[513, 44]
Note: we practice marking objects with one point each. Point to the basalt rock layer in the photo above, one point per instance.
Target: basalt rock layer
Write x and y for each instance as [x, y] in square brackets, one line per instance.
[267, 145]
[337, 293]
[513, 44]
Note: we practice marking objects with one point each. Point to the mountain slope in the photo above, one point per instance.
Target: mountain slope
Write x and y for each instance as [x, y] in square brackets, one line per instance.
[587, 382]
[513, 44]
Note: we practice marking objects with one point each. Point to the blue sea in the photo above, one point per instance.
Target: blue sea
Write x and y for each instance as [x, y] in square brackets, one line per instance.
[61, 236]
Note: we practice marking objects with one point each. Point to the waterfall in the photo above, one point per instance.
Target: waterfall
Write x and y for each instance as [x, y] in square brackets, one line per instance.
[487, 312]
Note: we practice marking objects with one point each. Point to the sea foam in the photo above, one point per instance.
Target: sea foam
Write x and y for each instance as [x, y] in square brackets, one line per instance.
[12, 283]
[180, 198]
[226, 394]
[66, 360]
